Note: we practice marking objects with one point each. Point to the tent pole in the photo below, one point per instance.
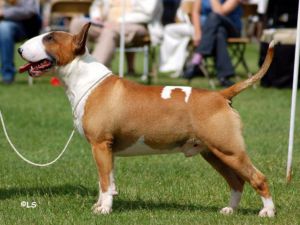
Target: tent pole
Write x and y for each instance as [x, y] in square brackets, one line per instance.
[122, 42]
[293, 102]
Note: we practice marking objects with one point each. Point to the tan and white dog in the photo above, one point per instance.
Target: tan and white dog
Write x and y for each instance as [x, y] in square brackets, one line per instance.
[122, 118]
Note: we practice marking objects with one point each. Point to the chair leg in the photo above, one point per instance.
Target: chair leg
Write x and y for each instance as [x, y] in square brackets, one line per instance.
[205, 72]
[30, 81]
[154, 65]
[245, 65]
[238, 52]
[146, 63]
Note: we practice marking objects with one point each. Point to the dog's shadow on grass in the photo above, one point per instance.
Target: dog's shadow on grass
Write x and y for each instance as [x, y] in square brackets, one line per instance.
[120, 204]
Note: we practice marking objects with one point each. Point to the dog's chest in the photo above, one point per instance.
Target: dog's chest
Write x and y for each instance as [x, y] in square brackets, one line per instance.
[79, 86]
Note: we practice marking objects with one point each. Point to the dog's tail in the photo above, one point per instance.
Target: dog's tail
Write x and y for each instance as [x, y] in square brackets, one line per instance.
[235, 89]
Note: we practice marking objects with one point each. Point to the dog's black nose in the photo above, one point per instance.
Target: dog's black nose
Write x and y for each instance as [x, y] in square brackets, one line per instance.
[20, 50]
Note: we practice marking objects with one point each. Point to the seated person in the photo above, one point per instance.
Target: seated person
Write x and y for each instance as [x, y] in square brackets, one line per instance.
[222, 22]
[19, 19]
[106, 16]
[173, 49]
[256, 22]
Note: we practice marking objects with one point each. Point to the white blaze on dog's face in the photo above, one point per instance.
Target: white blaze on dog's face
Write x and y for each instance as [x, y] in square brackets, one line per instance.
[33, 50]
[52, 49]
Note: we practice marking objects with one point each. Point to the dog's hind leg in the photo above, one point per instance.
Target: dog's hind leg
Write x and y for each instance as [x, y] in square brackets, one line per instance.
[223, 137]
[239, 162]
[104, 159]
[235, 182]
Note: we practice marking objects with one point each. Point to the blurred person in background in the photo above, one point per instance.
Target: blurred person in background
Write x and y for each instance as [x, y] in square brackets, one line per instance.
[223, 21]
[141, 18]
[177, 35]
[19, 19]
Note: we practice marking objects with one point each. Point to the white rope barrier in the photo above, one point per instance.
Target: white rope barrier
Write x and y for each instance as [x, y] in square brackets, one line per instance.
[69, 140]
[23, 157]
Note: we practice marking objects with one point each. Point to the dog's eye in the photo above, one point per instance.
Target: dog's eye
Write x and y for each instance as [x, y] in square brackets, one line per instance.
[49, 37]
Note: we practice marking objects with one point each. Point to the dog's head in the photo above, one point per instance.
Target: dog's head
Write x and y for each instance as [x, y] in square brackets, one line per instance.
[55, 48]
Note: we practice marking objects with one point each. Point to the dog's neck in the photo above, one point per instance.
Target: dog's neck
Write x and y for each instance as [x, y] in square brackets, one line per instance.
[80, 75]
[79, 78]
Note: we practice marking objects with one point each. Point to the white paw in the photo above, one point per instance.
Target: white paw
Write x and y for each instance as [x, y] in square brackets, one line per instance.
[114, 192]
[102, 209]
[97, 204]
[267, 212]
[226, 211]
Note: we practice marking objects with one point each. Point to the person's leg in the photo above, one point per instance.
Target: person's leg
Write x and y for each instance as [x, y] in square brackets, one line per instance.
[206, 46]
[105, 45]
[224, 65]
[132, 33]
[130, 63]
[10, 32]
[109, 40]
[223, 62]
[209, 31]
[173, 50]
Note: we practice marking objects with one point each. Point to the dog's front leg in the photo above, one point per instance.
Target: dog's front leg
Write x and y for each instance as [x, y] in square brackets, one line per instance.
[104, 160]
[113, 189]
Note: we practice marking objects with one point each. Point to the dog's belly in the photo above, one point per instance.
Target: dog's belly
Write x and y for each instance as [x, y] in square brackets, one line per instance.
[140, 148]
[190, 148]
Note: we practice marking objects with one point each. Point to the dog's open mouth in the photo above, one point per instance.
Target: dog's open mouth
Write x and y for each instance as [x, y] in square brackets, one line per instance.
[36, 69]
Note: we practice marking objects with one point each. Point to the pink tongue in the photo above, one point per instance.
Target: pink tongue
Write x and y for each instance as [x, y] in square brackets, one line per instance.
[24, 68]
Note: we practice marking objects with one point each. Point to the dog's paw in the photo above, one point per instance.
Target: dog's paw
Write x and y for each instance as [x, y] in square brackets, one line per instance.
[267, 212]
[226, 211]
[101, 209]
[114, 193]
[97, 204]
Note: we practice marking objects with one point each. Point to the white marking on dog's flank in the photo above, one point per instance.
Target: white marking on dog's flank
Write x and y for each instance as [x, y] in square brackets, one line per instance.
[167, 90]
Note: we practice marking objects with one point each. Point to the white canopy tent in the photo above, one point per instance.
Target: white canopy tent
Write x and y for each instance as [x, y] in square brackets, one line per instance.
[293, 102]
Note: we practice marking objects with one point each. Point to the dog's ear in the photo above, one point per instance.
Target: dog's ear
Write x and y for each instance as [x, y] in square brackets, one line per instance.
[80, 39]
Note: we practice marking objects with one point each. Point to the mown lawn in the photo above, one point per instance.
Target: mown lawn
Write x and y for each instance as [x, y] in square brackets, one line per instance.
[167, 189]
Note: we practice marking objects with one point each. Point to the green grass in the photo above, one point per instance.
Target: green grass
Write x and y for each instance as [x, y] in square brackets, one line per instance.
[168, 189]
